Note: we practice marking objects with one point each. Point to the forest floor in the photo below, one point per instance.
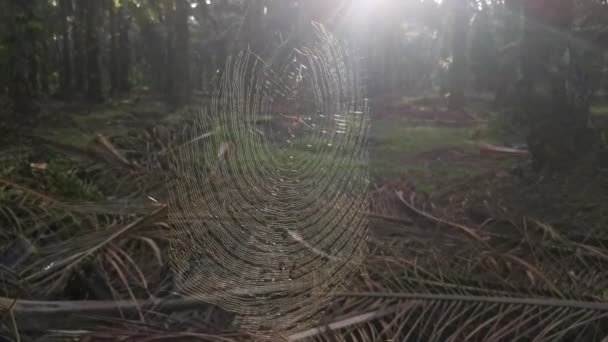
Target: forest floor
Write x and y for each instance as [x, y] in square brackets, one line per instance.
[442, 157]
[433, 146]
[430, 169]
[415, 142]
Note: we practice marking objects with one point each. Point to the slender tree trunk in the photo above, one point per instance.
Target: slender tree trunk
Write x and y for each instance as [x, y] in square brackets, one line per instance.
[179, 85]
[44, 66]
[124, 48]
[113, 67]
[92, 49]
[511, 14]
[170, 56]
[153, 51]
[80, 58]
[182, 45]
[33, 67]
[19, 89]
[65, 76]
[22, 39]
[33, 36]
[459, 41]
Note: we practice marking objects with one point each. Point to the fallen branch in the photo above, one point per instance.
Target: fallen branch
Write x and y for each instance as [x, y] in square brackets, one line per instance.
[116, 157]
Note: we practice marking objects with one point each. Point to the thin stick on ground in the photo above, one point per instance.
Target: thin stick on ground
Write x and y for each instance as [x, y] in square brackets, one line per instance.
[467, 230]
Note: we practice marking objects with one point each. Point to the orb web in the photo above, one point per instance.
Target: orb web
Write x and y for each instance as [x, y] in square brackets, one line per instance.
[268, 198]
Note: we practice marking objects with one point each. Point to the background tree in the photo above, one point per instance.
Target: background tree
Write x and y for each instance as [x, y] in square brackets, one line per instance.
[179, 54]
[92, 46]
[65, 13]
[459, 9]
[531, 54]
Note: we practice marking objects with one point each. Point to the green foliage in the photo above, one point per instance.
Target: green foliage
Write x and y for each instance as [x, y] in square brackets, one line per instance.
[66, 184]
[391, 137]
[58, 178]
[599, 109]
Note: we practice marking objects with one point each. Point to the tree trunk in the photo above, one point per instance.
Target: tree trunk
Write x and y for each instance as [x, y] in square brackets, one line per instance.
[33, 67]
[33, 37]
[19, 43]
[65, 76]
[170, 56]
[92, 51]
[44, 67]
[556, 91]
[80, 58]
[179, 55]
[158, 59]
[124, 48]
[458, 66]
[113, 67]
[506, 78]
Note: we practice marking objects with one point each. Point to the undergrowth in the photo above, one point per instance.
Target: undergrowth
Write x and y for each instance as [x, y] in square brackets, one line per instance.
[54, 176]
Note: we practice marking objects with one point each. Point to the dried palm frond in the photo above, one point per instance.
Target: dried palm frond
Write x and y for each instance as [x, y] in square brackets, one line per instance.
[398, 300]
[39, 216]
[437, 317]
[163, 315]
[56, 263]
[436, 279]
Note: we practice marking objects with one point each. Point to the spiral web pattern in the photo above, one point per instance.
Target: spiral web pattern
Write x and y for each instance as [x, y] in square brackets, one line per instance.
[268, 199]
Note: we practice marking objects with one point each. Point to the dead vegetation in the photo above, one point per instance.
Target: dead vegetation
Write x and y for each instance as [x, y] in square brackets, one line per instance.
[484, 258]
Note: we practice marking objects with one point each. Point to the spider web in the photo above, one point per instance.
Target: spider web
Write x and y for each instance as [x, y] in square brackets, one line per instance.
[268, 200]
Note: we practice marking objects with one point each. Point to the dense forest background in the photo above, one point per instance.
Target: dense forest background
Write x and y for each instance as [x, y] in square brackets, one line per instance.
[542, 58]
[488, 152]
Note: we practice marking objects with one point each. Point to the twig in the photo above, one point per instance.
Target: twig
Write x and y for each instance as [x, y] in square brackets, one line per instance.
[390, 218]
[366, 317]
[468, 231]
[107, 145]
